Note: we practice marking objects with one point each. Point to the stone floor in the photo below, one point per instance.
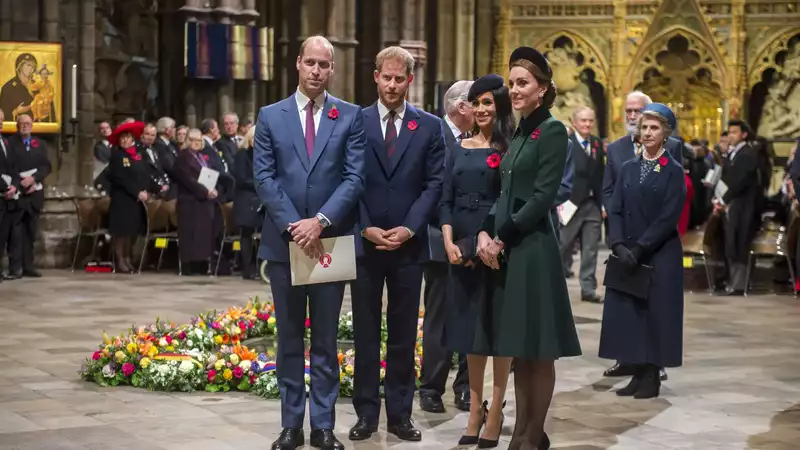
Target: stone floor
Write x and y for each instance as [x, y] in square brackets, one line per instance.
[739, 389]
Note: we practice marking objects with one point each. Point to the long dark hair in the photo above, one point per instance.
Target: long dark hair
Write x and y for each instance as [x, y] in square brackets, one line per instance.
[504, 122]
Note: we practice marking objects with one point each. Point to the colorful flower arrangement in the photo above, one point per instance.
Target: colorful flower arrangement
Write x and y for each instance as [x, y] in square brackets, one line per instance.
[208, 354]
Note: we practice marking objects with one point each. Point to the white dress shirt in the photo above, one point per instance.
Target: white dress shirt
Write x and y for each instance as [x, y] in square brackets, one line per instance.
[302, 102]
[453, 128]
[3, 146]
[733, 151]
[398, 117]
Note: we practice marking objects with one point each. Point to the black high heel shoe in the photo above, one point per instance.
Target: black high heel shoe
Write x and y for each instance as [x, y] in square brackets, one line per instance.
[472, 440]
[545, 444]
[492, 443]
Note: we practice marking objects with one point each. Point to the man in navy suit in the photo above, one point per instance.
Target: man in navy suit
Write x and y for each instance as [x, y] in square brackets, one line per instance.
[405, 170]
[308, 166]
[619, 152]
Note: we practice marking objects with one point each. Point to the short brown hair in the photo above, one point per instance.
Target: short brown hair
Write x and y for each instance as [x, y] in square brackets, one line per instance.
[396, 53]
[549, 98]
[319, 39]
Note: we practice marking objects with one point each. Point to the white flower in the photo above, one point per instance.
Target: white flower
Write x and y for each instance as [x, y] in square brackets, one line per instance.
[109, 371]
[162, 342]
[186, 366]
[199, 333]
[190, 343]
[245, 365]
[212, 359]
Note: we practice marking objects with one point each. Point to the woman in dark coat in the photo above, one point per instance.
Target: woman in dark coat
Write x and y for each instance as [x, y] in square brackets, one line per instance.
[531, 312]
[246, 205]
[472, 185]
[643, 229]
[195, 208]
[129, 182]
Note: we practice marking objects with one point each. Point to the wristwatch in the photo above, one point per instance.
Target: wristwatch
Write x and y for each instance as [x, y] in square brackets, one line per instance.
[323, 220]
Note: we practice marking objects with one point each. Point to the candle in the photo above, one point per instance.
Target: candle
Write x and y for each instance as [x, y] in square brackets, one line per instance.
[74, 104]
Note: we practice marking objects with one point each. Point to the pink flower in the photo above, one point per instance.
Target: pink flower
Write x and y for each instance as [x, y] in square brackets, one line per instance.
[308, 322]
[535, 134]
[215, 325]
[242, 326]
[383, 363]
[169, 339]
[211, 375]
[96, 355]
[182, 335]
[127, 369]
[253, 379]
[237, 372]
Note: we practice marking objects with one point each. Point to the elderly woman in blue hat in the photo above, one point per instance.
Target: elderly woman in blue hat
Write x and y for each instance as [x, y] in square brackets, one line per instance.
[643, 230]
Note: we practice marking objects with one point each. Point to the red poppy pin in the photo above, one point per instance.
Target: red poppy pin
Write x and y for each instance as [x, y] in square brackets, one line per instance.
[34, 143]
[493, 161]
[333, 113]
[137, 157]
[205, 157]
[662, 161]
[412, 125]
[596, 144]
[535, 134]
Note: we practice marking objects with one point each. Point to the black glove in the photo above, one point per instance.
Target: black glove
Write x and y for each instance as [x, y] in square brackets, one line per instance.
[638, 253]
[625, 256]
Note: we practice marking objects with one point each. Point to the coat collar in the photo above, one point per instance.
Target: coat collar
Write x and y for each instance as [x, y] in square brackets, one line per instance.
[530, 123]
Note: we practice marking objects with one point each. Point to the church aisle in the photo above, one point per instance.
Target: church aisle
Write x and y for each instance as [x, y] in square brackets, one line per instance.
[738, 388]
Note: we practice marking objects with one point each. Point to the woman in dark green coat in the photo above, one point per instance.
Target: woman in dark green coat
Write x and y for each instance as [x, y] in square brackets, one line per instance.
[531, 309]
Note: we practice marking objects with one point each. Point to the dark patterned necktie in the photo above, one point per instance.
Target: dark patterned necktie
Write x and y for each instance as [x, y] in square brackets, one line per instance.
[391, 134]
[311, 134]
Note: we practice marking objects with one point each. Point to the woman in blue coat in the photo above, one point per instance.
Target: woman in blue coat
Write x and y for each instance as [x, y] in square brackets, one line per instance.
[643, 229]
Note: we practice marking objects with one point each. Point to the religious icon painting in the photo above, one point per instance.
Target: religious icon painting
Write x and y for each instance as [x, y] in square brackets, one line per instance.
[31, 83]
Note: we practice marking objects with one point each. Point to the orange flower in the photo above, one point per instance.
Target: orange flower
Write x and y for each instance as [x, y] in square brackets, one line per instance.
[341, 357]
[244, 353]
[226, 339]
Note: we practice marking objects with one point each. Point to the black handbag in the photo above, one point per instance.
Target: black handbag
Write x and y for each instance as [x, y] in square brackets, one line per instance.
[468, 247]
[633, 281]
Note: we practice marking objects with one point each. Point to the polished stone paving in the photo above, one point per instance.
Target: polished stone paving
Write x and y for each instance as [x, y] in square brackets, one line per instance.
[739, 388]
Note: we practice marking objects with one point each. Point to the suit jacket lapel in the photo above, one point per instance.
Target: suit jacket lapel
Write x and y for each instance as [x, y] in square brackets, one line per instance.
[405, 135]
[291, 117]
[326, 126]
[372, 124]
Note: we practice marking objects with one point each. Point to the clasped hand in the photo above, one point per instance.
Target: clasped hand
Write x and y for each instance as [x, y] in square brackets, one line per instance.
[10, 192]
[387, 240]
[489, 250]
[27, 182]
[306, 234]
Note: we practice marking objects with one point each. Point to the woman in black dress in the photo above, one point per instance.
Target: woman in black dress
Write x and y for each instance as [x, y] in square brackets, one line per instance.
[643, 229]
[472, 185]
[246, 204]
[129, 182]
[195, 208]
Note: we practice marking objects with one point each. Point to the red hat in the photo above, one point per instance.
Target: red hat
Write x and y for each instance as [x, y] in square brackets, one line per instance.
[135, 128]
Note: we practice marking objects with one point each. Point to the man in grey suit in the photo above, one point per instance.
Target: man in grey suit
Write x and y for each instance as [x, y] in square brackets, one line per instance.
[308, 167]
[456, 124]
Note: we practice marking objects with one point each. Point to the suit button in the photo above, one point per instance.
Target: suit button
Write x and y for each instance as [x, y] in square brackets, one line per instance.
[390, 191]
[309, 186]
[629, 238]
[483, 172]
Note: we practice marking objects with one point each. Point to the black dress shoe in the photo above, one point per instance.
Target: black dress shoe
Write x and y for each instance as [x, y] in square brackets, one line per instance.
[12, 276]
[735, 293]
[325, 439]
[290, 439]
[33, 273]
[404, 429]
[620, 370]
[431, 404]
[462, 401]
[363, 430]
[545, 444]
[592, 298]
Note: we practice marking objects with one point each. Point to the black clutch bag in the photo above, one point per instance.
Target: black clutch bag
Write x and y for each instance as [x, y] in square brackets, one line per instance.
[468, 247]
[436, 245]
[633, 281]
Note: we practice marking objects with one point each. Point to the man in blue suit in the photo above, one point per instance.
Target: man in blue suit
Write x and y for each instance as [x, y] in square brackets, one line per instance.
[619, 152]
[405, 170]
[308, 167]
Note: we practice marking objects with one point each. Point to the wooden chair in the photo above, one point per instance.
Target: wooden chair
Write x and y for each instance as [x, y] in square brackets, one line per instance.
[700, 243]
[157, 225]
[770, 241]
[171, 234]
[90, 213]
[230, 234]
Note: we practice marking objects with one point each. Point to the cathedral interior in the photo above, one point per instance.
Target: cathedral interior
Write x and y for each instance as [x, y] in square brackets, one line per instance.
[710, 60]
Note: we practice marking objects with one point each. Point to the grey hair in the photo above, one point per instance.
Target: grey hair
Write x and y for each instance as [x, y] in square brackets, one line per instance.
[456, 94]
[668, 131]
[163, 124]
[640, 96]
[579, 110]
[194, 133]
[231, 114]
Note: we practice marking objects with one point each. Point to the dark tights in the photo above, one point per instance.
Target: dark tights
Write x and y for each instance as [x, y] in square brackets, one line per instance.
[534, 381]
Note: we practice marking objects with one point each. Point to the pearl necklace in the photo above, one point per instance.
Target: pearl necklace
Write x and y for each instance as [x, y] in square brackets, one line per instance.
[658, 155]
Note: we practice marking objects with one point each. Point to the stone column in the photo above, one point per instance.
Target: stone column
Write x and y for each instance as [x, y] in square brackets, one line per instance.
[192, 9]
[5, 21]
[86, 76]
[225, 90]
[248, 16]
[410, 34]
[616, 98]
[737, 76]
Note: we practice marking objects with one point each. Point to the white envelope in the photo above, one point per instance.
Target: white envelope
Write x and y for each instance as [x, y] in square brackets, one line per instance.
[338, 263]
[29, 173]
[720, 189]
[208, 178]
[565, 212]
